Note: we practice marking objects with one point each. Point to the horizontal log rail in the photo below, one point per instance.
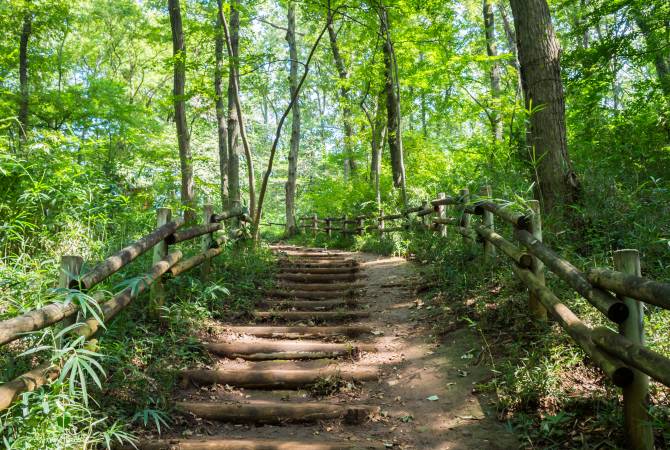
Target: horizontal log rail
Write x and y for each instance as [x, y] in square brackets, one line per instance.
[47, 372]
[166, 233]
[190, 233]
[124, 256]
[641, 288]
[523, 259]
[613, 308]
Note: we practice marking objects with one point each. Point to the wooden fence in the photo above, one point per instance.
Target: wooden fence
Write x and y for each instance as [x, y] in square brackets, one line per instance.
[619, 294]
[166, 264]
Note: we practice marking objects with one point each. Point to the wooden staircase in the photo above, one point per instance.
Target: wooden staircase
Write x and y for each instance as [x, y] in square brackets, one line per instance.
[305, 338]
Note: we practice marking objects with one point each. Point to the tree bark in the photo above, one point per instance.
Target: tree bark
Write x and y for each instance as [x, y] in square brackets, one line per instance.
[183, 138]
[378, 132]
[23, 75]
[232, 45]
[349, 161]
[394, 129]
[511, 43]
[222, 126]
[234, 197]
[658, 49]
[492, 52]
[291, 228]
[539, 57]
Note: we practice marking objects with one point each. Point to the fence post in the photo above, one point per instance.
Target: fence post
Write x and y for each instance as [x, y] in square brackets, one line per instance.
[344, 225]
[70, 269]
[329, 227]
[637, 422]
[315, 224]
[489, 248]
[537, 311]
[380, 223]
[424, 218]
[442, 214]
[207, 239]
[360, 221]
[157, 292]
[465, 216]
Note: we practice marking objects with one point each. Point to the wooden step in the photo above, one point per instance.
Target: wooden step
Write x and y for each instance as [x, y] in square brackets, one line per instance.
[301, 331]
[318, 270]
[318, 278]
[288, 286]
[261, 351]
[321, 262]
[224, 443]
[310, 294]
[272, 412]
[312, 305]
[323, 255]
[276, 378]
[308, 315]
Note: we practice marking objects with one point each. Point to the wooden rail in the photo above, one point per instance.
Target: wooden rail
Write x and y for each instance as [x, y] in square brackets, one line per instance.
[165, 262]
[618, 294]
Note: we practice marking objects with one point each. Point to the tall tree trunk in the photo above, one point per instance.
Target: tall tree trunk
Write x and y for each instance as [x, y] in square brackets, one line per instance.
[394, 128]
[539, 55]
[657, 48]
[349, 161]
[378, 131]
[234, 143]
[183, 139]
[291, 228]
[424, 112]
[23, 75]
[511, 42]
[222, 127]
[492, 52]
[232, 44]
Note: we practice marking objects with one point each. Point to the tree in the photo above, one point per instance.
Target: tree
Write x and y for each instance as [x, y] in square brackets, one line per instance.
[655, 34]
[539, 57]
[492, 52]
[392, 89]
[349, 162]
[179, 101]
[23, 74]
[221, 126]
[291, 227]
[234, 143]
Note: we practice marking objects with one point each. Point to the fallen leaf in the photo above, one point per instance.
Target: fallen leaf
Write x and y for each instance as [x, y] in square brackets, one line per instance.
[433, 398]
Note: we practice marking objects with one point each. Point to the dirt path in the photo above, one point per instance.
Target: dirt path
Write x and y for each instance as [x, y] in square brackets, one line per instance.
[394, 388]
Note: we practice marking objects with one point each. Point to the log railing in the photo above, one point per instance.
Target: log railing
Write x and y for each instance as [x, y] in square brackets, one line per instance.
[618, 294]
[166, 262]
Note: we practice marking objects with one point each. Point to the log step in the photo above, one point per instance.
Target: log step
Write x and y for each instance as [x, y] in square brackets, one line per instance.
[317, 278]
[301, 331]
[323, 255]
[252, 444]
[310, 294]
[318, 263]
[319, 286]
[319, 270]
[311, 305]
[276, 378]
[261, 351]
[272, 412]
[307, 315]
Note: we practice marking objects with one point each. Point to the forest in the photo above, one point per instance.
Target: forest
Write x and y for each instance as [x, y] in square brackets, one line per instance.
[268, 112]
